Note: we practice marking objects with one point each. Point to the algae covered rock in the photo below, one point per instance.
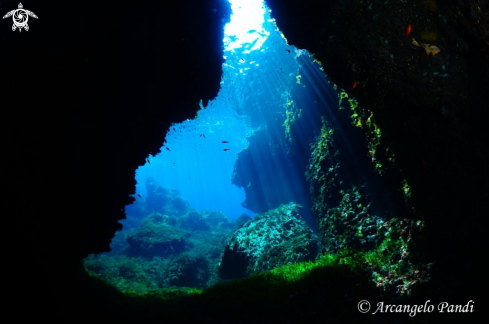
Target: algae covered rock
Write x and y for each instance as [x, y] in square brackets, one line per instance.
[277, 237]
[194, 221]
[217, 220]
[187, 270]
[206, 220]
[156, 237]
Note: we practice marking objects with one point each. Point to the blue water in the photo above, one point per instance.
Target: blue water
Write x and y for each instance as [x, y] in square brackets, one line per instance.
[194, 162]
[258, 84]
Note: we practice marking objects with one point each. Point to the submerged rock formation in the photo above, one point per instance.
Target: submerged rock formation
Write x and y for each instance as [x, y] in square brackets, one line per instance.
[423, 117]
[164, 200]
[169, 248]
[206, 220]
[156, 237]
[277, 237]
[99, 122]
[187, 270]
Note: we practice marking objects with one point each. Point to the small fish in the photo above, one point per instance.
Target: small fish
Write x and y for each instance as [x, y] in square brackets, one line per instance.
[139, 195]
[408, 30]
[148, 161]
[288, 50]
[242, 60]
[200, 135]
[354, 85]
[225, 141]
[203, 135]
[226, 150]
[174, 129]
[174, 162]
[167, 148]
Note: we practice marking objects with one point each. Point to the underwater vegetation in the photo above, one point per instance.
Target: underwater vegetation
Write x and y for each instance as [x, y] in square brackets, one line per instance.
[330, 286]
[197, 250]
[292, 114]
[277, 237]
[173, 246]
[382, 246]
[361, 214]
[157, 236]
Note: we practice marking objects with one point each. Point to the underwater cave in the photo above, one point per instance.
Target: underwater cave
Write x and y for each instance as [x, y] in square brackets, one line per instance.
[245, 153]
[248, 161]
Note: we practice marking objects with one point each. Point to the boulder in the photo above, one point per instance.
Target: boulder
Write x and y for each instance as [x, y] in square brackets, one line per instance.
[277, 237]
[157, 236]
[217, 220]
[193, 221]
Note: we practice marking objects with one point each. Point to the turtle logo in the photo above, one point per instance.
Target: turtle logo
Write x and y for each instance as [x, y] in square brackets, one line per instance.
[20, 17]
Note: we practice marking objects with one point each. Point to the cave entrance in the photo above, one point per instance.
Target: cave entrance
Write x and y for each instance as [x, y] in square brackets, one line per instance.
[245, 153]
[199, 155]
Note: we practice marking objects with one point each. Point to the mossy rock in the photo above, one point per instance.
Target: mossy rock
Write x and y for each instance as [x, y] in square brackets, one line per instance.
[156, 237]
[194, 221]
[256, 246]
[187, 270]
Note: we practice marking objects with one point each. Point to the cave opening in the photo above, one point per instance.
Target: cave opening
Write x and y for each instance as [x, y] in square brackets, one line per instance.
[246, 153]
